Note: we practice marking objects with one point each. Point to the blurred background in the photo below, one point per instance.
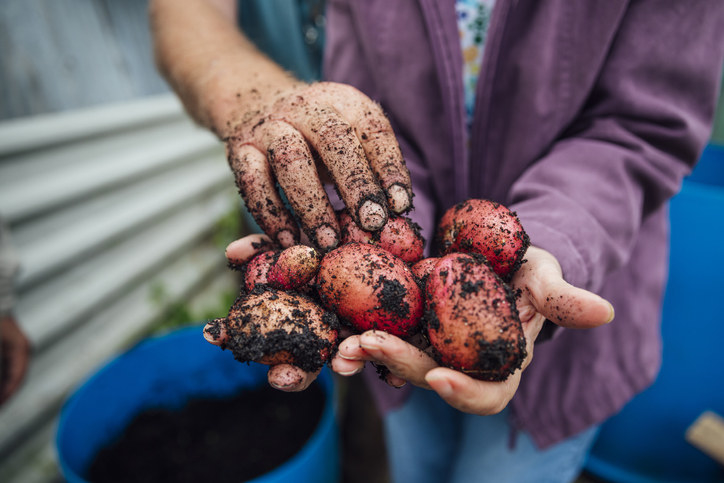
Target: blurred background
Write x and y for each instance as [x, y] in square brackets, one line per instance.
[118, 206]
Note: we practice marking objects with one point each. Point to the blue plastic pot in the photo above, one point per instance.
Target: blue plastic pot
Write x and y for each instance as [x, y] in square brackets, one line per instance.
[645, 441]
[167, 371]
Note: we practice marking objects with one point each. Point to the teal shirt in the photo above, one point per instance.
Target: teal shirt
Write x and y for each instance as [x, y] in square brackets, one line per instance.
[291, 32]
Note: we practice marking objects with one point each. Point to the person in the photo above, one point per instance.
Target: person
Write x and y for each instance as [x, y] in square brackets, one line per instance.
[584, 120]
[14, 345]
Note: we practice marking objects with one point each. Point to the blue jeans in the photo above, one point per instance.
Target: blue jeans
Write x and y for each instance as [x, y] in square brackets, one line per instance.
[428, 441]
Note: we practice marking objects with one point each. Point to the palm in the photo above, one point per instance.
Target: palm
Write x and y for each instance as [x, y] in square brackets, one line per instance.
[543, 295]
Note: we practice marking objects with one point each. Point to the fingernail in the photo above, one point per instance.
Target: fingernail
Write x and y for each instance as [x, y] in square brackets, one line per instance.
[326, 237]
[372, 216]
[351, 373]
[613, 312]
[285, 386]
[347, 358]
[232, 246]
[399, 199]
[285, 238]
[439, 384]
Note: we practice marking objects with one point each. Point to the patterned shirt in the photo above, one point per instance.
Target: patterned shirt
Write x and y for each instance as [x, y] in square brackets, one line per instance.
[473, 20]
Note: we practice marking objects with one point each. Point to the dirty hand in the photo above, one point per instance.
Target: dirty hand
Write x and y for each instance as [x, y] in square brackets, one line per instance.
[351, 137]
[284, 377]
[543, 295]
[15, 353]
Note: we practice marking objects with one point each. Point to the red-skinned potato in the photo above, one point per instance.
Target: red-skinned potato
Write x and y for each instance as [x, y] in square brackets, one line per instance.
[487, 228]
[294, 267]
[257, 270]
[369, 288]
[274, 327]
[471, 319]
[400, 236]
[350, 231]
[422, 269]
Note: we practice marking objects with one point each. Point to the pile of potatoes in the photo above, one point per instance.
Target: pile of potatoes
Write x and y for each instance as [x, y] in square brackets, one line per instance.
[293, 300]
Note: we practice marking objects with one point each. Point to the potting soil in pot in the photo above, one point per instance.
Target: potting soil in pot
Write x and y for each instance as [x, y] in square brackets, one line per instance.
[232, 439]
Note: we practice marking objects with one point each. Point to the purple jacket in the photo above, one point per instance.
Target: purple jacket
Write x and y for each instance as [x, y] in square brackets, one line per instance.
[588, 116]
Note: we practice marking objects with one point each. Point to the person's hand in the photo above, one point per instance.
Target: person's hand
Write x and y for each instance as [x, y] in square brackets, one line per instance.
[276, 127]
[351, 137]
[284, 377]
[543, 295]
[15, 353]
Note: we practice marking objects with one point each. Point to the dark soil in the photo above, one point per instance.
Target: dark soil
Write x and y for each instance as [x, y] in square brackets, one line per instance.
[219, 440]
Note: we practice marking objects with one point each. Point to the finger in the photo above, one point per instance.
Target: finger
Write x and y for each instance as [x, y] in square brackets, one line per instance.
[342, 154]
[541, 280]
[402, 359]
[244, 249]
[255, 181]
[470, 395]
[215, 331]
[288, 378]
[378, 141]
[347, 367]
[531, 329]
[395, 381]
[295, 170]
[351, 349]
[575, 308]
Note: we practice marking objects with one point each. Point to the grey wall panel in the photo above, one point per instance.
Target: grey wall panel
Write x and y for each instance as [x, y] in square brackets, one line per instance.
[105, 205]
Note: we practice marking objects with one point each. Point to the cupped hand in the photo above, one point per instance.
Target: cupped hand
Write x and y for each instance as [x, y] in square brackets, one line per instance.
[544, 294]
[284, 377]
[280, 142]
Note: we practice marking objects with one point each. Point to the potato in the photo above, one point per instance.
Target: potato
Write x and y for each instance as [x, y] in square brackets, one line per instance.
[471, 319]
[273, 327]
[422, 269]
[400, 236]
[294, 267]
[257, 270]
[487, 228]
[369, 288]
[350, 231]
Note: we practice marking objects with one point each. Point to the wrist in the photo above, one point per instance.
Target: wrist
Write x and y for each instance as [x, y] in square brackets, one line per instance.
[216, 71]
[231, 99]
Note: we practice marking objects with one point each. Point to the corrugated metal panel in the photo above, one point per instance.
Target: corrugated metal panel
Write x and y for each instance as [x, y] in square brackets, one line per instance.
[105, 205]
[61, 55]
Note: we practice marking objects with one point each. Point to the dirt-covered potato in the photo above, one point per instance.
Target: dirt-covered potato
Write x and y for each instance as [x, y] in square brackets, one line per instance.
[422, 269]
[487, 228]
[273, 327]
[257, 270]
[400, 236]
[369, 288]
[294, 267]
[471, 318]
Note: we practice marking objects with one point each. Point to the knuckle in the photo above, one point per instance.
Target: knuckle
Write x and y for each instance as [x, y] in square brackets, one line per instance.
[334, 133]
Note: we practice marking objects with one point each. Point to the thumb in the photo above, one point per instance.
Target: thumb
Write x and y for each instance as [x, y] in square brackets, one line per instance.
[560, 302]
[573, 307]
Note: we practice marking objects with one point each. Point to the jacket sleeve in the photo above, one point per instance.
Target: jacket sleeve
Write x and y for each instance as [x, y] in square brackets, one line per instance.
[641, 131]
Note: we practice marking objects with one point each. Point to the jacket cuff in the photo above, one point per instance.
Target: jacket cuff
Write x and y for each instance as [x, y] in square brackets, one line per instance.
[560, 246]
